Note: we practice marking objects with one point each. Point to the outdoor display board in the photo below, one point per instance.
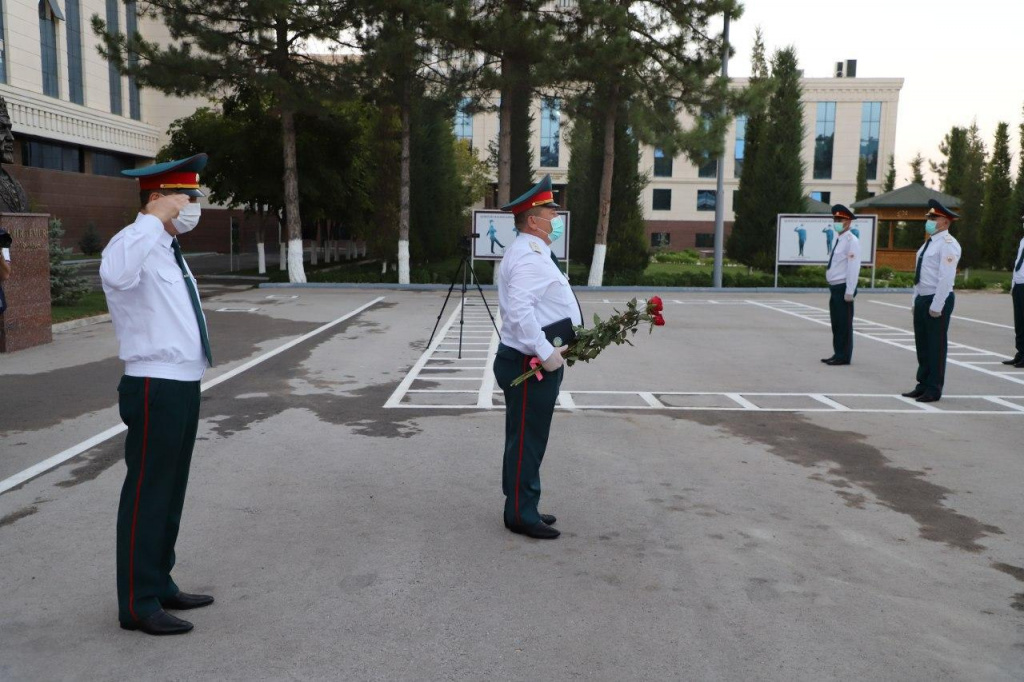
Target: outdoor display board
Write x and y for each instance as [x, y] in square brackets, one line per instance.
[808, 239]
[497, 230]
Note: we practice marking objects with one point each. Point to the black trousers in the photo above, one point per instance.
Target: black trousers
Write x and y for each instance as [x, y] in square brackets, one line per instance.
[529, 408]
[162, 417]
[1017, 294]
[931, 338]
[841, 314]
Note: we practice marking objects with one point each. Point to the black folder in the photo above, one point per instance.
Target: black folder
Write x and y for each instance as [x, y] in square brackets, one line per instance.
[559, 333]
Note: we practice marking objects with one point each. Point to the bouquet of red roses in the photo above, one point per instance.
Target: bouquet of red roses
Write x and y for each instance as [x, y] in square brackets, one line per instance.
[616, 329]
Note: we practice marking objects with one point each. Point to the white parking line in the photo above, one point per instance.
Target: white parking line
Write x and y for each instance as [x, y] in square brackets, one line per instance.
[74, 451]
[955, 317]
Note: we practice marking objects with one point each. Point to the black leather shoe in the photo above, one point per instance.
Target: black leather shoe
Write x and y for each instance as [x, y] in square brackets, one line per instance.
[548, 519]
[160, 623]
[926, 398]
[540, 531]
[1013, 361]
[183, 601]
[836, 362]
[828, 360]
[1019, 364]
[916, 393]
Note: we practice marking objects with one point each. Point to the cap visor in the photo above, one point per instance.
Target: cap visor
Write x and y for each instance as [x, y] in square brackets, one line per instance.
[192, 192]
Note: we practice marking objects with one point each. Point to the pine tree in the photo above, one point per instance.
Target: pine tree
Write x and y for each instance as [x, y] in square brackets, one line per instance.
[890, 175]
[90, 243]
[862, 180]
[951, 170]
[66, 286]
[221, 46]
[972, 194]
[997, 226]
[917, 169]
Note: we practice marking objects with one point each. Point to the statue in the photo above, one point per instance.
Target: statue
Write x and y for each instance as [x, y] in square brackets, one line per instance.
[12, 195]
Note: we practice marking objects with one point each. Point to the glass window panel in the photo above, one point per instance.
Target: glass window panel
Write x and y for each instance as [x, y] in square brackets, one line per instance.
[824, 140]
[706, 199]
[662, 164]
[662, 200]
[550, 122]
[464, 122]
[48, 49]
[114, 76]
[741, 145]
[76, 91]
[870, 127]
[132, 27]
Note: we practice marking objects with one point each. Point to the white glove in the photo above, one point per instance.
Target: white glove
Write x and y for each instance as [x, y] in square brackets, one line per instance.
[555, 360]
[935, 313]
[848, 298]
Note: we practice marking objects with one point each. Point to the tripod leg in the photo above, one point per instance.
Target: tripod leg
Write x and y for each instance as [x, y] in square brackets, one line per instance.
[455, 277]
[466, 267]
[484, 299]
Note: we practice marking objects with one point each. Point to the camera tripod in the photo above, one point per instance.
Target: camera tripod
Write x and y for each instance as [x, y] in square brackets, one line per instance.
[466, 268]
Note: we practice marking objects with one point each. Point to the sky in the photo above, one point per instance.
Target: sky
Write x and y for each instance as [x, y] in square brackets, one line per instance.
[961, 60]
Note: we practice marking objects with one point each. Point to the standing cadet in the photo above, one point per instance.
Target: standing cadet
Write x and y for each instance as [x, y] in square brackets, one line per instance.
[842, 273]
[154, 305]
[1017, 294]
[532, 293]
[933, 302]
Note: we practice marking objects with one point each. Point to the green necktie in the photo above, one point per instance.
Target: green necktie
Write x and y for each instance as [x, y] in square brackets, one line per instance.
[920, 261]
[1019, 261]
[194, 297]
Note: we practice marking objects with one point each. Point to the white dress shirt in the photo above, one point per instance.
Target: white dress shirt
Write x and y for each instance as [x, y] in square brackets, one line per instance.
[938, 269]
[532, 293]
[150, 305]
[845, 262]
[6, 253]
[1018, 275]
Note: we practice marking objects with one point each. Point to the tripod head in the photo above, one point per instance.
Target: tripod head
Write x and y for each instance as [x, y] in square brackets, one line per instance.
[466, 242]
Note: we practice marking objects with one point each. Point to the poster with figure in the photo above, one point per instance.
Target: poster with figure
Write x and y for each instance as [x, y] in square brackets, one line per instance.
[808, 239]
[496, 231]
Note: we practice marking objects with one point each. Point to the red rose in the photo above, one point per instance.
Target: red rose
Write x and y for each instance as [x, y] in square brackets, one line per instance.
[655, 304]
[659, 321]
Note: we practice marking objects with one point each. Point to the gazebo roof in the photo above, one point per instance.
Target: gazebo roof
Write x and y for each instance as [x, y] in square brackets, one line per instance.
[913, 195]
[815, 206]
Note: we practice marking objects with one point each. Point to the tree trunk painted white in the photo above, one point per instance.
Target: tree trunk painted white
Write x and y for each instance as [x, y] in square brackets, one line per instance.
[262, 258]
[605, 196]
[403, 261]
[597, 266]
[283, 256]
[296, 269]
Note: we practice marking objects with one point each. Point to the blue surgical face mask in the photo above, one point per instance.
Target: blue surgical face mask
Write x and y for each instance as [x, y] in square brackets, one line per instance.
[557, 228]
[838, 227]
[930, 226]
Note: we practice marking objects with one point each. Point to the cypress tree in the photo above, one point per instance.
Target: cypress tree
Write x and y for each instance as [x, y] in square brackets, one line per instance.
[996, 226]
[890, 175]
[972, 194]
[917, 169]
[862, 180]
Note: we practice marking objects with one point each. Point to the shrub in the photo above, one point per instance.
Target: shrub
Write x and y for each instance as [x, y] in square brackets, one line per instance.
[90, 244]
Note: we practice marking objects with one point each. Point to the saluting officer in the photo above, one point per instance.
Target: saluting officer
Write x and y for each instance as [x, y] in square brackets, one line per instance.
[532, 293]
[1017, 294]
[154, 305]
[842, 273]
[933, 302]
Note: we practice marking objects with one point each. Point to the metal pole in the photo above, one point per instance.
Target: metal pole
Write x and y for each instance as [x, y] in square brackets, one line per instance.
[716, 277]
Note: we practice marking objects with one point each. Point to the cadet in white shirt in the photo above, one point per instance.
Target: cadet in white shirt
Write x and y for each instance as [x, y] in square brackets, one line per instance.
[161, 328]
[842, 273]
[933, 302]
[532, 294]
[1017, 295]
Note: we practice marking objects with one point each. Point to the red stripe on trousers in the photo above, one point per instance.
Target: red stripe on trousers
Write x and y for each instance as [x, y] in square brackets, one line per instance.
[522, 438]
[135, 512]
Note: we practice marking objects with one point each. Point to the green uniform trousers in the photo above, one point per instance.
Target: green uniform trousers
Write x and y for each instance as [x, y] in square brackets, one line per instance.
[841, 314]
[931, 338]
[528, 411]
[1017, 294]
[162, 417]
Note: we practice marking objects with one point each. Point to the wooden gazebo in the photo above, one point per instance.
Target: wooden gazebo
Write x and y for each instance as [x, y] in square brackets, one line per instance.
[900, 221]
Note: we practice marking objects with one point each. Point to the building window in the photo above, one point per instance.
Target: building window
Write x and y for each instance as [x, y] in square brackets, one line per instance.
[114, 27]
[706, 199]
[550, 121]
[709, 165]
[662, 164]
[76, 92]
[662, 200]
[823, 197]
[131, 23]
[660, 239]
[741, 146]
[705, 240]
[3, 47]
[824, 139]
[48, 48]
[106, 163]
[52, 155]
[870, 126]
[464, 122]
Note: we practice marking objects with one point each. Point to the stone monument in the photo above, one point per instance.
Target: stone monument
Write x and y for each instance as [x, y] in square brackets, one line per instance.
[27, 321]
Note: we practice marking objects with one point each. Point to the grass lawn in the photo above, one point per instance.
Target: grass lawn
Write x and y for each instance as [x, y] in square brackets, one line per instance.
[93, 303]
[990, 277]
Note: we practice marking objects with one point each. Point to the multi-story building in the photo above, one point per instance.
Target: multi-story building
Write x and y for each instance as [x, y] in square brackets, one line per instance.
[77, 121]
[845, 119]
